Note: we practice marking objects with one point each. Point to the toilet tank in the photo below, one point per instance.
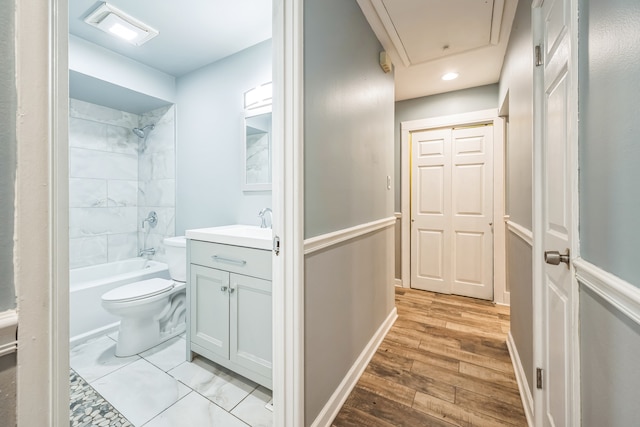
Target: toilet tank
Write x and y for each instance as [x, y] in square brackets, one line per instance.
[176, 251]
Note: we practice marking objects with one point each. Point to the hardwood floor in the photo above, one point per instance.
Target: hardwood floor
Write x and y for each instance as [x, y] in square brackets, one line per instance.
[443, 363]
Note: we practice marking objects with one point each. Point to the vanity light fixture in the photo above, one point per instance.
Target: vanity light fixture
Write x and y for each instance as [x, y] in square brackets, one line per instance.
[115, 22]
[258, 96]
[450, 76]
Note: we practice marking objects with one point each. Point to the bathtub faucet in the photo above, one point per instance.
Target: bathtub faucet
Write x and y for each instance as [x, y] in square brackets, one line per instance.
[261, 214]
[147, 251]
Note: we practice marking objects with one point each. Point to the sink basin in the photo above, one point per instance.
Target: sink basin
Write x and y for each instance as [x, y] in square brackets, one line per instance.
[249, 236]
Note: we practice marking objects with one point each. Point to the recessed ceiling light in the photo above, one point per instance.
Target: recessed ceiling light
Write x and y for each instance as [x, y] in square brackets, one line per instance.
[450, 76]
[115, 22]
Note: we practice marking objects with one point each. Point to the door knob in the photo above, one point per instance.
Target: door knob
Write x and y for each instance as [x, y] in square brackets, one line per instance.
[555, 257]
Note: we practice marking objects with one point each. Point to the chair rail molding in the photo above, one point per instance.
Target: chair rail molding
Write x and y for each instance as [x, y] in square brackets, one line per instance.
[317, 243]
[8, 332]
[618, 292]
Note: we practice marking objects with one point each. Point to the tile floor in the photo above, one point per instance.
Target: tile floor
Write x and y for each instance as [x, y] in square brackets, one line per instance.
[159, 388]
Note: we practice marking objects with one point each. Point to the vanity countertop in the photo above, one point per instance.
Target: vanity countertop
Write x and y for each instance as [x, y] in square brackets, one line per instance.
[249, 236]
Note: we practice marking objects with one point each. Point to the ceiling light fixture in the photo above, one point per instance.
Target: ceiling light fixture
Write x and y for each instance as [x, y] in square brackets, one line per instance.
[115, 22]
[450, 76]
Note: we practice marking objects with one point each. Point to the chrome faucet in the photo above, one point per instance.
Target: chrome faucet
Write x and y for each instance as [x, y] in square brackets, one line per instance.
[263, 222]
[147, 251]
[152, 219]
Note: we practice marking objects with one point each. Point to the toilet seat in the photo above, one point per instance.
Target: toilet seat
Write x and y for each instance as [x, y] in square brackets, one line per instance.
[138, 290]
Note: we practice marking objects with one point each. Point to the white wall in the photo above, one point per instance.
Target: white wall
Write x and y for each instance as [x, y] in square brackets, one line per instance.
[102, 64]
[210, 103]
[348, 149]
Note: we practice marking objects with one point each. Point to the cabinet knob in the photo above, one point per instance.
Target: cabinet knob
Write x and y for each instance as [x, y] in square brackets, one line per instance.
[231, 290]
[223, 288]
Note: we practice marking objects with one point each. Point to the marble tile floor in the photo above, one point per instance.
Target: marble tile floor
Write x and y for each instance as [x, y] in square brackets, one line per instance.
[159, 388]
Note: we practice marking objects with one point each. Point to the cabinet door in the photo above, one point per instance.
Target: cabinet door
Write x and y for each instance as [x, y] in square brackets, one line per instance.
[250, 323]
[210, 309]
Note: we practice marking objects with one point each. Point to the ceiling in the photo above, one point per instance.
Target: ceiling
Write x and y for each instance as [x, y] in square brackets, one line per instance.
[424, 38]
[428, 38]
[193, 33]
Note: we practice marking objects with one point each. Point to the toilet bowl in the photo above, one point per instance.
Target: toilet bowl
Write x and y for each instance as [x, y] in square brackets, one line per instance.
[154, 310]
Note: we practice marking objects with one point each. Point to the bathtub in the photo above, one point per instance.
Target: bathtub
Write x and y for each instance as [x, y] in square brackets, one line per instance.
[87, 318]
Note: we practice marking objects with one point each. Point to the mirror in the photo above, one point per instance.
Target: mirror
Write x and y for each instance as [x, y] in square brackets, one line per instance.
[257, 150]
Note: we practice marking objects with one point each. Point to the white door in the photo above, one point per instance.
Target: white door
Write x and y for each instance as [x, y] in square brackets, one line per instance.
[452, 211]
[556, 214]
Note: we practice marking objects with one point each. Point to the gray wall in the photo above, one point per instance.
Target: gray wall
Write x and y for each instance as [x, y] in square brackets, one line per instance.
[348, 120]
[609, 205]
[516, 86]
[610, 353]
[7, 195]
[7, 153]
[8, 390]
[444, 104]
[210, 111]
[609, 129]
[348, 154]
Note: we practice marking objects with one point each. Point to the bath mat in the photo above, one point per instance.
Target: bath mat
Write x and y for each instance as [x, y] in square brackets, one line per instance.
[88, 408]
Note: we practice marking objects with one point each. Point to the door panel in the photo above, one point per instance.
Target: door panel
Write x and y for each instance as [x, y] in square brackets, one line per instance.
[210, 319]
[250, 323]
[431, 210]
[432, 266]
[557, 293]
[473, 212]
[452, 211]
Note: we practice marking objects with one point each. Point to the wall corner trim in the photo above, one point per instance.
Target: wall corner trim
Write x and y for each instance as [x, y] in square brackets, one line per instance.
[330, 239]
[621, 294]
[8, 332]
[340, 395]
[521, 378]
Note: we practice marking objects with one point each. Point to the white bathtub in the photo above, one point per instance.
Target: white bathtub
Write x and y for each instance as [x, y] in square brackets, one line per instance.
[87, 318]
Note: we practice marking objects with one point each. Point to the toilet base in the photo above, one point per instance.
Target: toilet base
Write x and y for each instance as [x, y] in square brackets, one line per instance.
[139, 335]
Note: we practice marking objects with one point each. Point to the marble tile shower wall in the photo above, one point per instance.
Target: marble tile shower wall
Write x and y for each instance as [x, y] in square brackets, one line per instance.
[105, 187]
[157, 179]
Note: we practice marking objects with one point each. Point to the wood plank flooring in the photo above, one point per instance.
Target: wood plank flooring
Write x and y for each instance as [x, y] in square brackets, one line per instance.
[443, 363]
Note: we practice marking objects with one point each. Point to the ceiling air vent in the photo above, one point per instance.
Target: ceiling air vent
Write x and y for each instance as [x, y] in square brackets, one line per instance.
[115, 22]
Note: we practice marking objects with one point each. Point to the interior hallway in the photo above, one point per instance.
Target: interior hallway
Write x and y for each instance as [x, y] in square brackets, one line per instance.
[444, 362]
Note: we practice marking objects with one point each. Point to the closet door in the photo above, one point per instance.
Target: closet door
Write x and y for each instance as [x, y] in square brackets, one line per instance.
[452, 211]
[472, 212]
[431, 210]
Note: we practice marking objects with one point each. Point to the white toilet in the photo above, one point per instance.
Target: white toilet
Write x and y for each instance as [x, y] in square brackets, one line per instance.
[154, 310]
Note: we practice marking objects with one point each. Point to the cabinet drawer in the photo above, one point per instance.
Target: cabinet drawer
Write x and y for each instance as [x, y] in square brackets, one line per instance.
[236, 259]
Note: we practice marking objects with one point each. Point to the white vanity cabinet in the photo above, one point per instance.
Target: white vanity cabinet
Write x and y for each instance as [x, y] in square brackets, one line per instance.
[229, 303]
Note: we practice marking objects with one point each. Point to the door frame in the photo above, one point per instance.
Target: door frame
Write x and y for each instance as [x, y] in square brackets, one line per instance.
[538, 209]
[43, 354]
[500, 295]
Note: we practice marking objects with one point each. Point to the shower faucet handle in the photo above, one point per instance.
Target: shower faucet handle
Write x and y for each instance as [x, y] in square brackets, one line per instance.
[152, 219]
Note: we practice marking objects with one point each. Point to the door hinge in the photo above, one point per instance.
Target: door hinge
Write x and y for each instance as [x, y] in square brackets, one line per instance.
[276, 245]
[538, 377]
[538, 52]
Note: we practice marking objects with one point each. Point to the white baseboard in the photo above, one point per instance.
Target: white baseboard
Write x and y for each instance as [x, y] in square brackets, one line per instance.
[523, 385]
[398, 282]
[8, 329]
[337, 399]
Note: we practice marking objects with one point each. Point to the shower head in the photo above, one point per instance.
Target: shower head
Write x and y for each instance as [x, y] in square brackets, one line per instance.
[142, 132]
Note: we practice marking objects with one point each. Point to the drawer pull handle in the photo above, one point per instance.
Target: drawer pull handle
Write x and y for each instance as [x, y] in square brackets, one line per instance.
[229, 260]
